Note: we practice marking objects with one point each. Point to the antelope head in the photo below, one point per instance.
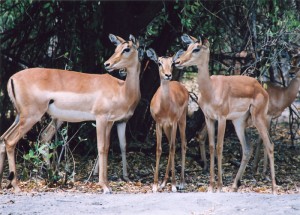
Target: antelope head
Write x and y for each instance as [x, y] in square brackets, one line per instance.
[165, 64]
[295, 70]
[196, 50]
[126, 54]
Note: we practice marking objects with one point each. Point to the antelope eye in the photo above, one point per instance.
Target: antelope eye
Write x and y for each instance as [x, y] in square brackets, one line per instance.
[196, 50]
[126, 50]
[159, 64]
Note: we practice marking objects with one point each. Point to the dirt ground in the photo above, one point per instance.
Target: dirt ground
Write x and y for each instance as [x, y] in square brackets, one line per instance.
[158, 203]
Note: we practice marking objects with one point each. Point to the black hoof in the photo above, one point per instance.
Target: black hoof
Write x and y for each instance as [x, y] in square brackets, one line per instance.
[11, 176]
[239, 183]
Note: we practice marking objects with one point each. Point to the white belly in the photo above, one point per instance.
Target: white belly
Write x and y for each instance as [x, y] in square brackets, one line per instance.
[70, 115]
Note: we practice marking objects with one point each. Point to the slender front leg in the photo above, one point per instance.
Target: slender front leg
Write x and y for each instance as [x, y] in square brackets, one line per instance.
[221, 133]
[101, 125]
[168, 132]
[163, 184]
[2, 159]
[158, 154]
[121, 128]
[182, 126]
[172, 157]
[211, 138]
[107, 144]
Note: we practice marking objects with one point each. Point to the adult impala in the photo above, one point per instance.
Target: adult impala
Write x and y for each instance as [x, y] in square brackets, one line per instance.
[280, 98]
[75, 97]
[227, 98]
[168, 108]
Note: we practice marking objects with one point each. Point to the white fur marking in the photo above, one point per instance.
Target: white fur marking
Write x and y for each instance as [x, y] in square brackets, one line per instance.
[70, 115]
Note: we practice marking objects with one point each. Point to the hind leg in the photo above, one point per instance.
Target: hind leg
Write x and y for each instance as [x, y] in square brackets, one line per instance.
[23, 126]
[3, 148]
[202, 136]
[247, 148]
[121, 128]
[257, 152]
[261, 124]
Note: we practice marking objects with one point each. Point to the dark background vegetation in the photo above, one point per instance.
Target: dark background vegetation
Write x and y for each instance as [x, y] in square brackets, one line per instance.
[73, 35]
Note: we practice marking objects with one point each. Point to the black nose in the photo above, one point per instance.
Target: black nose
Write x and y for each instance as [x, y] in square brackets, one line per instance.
[106, 64]
[169, 76]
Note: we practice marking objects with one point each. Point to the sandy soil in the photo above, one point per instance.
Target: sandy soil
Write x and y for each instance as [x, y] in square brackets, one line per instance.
[158, 203]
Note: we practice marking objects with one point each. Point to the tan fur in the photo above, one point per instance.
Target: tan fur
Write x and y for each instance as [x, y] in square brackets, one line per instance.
[169, 108]
[80, 96]
[279, 99]
[224, 98]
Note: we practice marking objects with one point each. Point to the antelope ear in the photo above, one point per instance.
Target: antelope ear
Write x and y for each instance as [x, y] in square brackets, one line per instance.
[206, 43]
[152, 55]
[134, 41]
[199, 39]
[115, 39]
[178, 54]
[132, 38]
[187, 39]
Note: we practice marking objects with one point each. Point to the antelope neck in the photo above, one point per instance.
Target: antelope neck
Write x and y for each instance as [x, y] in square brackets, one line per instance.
[165, 91]
[204, 80]
[132, 82]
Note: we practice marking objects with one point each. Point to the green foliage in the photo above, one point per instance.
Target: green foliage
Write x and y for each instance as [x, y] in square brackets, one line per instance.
[155, 26]
[37, 156]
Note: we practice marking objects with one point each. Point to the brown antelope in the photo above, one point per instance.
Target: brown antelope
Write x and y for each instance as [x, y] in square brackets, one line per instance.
[279, 99]
[227, 98]
[169, 108]
[75, 97]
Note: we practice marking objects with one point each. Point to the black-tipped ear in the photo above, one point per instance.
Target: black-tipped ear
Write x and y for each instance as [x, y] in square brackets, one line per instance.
[187, 39]
[132, 38]
[152, 55]
[178, 54]
[199, 38]
[114, 39]
[206, 43]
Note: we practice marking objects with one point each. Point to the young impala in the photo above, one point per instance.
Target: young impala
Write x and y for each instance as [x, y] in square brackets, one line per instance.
[169, 108]
[280, 98]
[227, 98]
[75, 97]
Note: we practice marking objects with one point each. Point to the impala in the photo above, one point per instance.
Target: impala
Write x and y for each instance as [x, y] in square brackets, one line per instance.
[75, 97]
[168, 108]
[280, 98]
[224, 98]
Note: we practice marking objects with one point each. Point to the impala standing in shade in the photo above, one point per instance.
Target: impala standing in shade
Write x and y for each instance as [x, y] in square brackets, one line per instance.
[224, 98]
[169, 108]
[74, 97]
